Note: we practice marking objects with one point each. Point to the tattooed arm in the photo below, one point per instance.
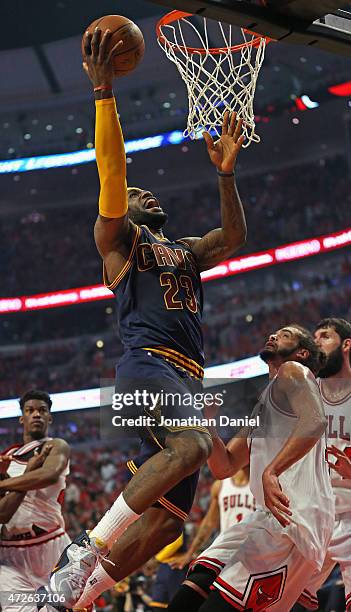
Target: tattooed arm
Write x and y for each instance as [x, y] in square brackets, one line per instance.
[219, 244]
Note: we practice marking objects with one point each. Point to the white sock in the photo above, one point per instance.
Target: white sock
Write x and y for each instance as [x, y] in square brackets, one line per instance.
[114, 522]
[98, 582]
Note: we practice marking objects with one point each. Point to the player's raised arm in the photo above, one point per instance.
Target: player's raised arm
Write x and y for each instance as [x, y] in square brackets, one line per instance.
[221, 243]
[113, 230]
[53, 466]
[297, 390]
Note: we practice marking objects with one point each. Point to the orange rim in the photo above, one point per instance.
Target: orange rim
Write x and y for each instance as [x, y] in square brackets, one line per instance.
[177, 15]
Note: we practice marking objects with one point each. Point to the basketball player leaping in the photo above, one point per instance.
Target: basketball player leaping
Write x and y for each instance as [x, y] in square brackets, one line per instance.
[262, 562]
[159, 304]
[334, 338]
[32, 535]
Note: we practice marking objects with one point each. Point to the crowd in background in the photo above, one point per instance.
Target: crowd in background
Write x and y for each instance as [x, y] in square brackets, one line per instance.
[44, 251]
[59, 352]
[54, 249]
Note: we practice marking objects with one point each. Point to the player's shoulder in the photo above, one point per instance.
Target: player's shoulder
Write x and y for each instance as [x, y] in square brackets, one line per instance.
[59, 445]
[189, 241]
[294, 371]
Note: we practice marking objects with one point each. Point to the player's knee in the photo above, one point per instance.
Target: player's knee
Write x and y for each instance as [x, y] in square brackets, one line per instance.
[198, 451]
[191, 451]
[200, 579]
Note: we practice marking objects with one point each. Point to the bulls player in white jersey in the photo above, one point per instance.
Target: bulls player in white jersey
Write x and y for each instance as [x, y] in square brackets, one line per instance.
[231, 501]
[33, 536]
[264, 561]
[334, 337]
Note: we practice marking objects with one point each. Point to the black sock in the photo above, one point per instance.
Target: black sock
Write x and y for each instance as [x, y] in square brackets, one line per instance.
[187, 599]
[216, 603]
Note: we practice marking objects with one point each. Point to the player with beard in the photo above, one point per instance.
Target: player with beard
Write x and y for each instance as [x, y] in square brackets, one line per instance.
[159, 308]
[333, 335]
[33, 534]
[263, 562]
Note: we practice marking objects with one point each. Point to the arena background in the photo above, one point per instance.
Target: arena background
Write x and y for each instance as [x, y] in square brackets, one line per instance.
[57, 323]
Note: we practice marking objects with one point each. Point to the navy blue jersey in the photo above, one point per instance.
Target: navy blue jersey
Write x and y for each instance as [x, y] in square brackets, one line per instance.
[160, 300]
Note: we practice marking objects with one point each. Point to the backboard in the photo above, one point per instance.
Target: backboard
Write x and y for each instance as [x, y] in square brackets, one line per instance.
[325, 24]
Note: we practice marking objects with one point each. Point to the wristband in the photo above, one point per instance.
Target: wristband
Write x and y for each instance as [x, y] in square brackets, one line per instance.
[225, 173]
[102, 88]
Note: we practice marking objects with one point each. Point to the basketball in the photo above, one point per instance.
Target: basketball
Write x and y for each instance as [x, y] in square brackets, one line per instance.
[122, 28]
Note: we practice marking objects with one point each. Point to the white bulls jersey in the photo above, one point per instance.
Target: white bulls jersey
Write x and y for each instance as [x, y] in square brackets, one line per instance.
[235, 502]
[39, 517]
[339, 434]
[306, 483]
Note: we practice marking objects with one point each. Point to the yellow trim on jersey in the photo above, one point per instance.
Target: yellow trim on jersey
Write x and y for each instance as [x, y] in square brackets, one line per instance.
[172, 508]
[162, 500]
[156, 604]
[168, 552]
[154, 438]
[126, 266]
[178, 359]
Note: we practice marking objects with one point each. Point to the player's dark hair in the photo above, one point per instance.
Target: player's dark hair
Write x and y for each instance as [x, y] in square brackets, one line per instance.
[341, 326]
[35, 394]
[316, 358]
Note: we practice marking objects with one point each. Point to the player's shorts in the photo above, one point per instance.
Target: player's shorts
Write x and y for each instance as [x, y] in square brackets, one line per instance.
[339, 551]
[256, 566]
[156, 375]
[157, 388]
[179, 500]
[23, 569]
[167, 583]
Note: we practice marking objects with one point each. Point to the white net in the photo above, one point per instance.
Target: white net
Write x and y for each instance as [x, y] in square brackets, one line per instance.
[215, 81]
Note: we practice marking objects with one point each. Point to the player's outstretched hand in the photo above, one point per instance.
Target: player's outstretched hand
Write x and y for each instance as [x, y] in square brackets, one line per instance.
[274, 498]
[224, 152]
[38, 459]
[343, 464]
[98, 59]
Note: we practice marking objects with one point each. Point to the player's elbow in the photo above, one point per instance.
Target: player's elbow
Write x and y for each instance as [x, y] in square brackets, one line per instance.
[49, 478]
[235, 241]
[321, 425]
[241, 238]
[53, 478]
[316, 428]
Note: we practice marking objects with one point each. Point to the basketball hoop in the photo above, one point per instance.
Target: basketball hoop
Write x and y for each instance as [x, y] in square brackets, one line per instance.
[217, 78]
